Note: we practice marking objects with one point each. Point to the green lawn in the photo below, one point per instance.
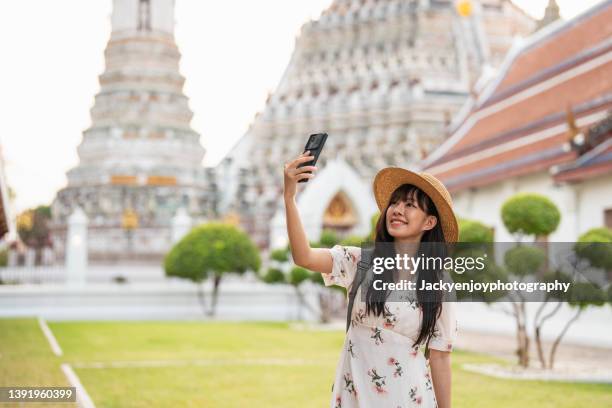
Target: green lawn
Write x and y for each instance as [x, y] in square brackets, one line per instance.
[195, 364]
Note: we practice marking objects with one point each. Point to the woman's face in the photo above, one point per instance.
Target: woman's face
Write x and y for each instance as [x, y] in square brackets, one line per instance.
[406, 222]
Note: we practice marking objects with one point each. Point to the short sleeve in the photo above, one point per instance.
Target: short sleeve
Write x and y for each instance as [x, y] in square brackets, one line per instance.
[345, 260]
[445, 331]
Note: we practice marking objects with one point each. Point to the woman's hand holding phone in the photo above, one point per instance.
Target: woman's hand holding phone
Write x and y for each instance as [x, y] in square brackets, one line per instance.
[293, 174]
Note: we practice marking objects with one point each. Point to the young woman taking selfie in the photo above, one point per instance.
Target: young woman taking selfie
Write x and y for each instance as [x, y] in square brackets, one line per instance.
[382, 362]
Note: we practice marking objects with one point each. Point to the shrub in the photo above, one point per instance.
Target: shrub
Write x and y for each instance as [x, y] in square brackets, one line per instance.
[298, 275]
[274, 275]
[524, 260]
[530, 214]
[592, 246]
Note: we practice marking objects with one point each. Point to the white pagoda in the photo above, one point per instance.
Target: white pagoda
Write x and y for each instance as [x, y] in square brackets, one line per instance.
[383, 79]
[140, 160]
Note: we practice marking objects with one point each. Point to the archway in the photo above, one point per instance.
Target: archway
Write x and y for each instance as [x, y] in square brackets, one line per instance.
[340, 215]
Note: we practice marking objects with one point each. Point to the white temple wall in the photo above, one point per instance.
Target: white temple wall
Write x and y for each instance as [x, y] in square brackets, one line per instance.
[581, 205]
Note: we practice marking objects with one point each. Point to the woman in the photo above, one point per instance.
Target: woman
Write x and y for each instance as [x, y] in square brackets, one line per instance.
[382, 364]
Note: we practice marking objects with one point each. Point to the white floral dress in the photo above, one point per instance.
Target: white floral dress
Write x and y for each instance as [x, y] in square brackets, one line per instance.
[379, 367]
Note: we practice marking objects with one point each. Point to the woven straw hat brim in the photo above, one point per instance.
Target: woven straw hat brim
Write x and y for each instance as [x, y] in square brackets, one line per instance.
[390, 178]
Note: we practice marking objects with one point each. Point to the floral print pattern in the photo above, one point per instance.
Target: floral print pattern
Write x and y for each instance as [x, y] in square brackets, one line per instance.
[359, 317]
[349, 385]
[376, 335]
[390, 318]
[398, 368]
[380, 366]
[414, 396]
[350, 349]
[377, 380]
[428, 385]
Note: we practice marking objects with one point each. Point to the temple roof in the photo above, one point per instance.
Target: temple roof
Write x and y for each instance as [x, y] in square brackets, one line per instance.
[555, 83]
[596, 161]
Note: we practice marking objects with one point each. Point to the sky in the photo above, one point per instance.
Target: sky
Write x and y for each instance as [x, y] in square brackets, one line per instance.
[52, 54]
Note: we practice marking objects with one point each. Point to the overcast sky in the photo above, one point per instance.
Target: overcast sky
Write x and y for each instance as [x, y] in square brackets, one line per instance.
[52, 54]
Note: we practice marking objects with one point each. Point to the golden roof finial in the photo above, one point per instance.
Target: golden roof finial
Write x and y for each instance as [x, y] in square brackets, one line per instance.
[572, 129]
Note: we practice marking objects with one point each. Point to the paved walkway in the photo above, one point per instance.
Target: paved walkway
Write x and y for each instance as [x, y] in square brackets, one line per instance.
[568, 355]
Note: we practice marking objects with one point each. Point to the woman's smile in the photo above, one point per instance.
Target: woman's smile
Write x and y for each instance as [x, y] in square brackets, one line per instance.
[397, 223]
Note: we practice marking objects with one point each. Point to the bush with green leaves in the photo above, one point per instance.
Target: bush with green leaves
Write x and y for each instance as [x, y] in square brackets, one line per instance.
[530, 214]
[274, 275]
[584, 294]
[297, 275]
[212, 249]
[560, 277]
[280, 254]
[328, 239]
[317, 278]
[474, 231]
[353, 240]
[3, 257]
[524, 260]
[595, 246]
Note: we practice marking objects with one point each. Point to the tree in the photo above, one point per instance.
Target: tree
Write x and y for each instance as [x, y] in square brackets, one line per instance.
[213, 248]
[592, 250]
[532, 215]
[33, 229]
[297, 276]
[581, 296]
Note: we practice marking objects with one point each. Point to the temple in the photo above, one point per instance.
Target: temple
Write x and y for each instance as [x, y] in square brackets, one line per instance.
[140, 160]
[383, 79]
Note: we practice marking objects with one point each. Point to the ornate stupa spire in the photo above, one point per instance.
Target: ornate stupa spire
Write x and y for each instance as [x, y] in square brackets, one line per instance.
[551, 14]
[140, 154]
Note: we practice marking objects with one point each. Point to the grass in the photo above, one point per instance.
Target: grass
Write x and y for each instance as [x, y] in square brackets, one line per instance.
[248, 364]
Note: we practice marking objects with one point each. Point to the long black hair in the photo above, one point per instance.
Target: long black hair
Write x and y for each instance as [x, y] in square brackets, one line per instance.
[429, 301]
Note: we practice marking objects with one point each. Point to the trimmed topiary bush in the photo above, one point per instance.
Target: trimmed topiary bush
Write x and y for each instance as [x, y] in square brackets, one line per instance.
[592, 247]
[213, 248]
[530, 214]
[274, 275]
[524, 260]
[299, 275]
[474, 231]
[280, 255]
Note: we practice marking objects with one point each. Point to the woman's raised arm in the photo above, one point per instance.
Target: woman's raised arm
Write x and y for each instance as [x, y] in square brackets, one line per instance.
[315, 259]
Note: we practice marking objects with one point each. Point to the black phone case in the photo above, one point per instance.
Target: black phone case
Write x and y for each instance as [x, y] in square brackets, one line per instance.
[313, 152]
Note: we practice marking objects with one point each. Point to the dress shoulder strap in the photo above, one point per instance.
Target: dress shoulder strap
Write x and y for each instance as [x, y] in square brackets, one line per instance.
[362, 269]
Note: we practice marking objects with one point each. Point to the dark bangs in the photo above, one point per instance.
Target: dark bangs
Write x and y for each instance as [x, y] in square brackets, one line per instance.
[409, 191]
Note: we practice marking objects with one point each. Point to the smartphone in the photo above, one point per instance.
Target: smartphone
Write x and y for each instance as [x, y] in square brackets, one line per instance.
[315, 145]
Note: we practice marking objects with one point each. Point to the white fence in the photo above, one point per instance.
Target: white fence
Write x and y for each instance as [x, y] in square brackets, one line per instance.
[172, 299]
[57, 274]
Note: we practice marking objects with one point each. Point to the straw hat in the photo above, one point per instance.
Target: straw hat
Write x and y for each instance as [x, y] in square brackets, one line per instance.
[390, 178]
